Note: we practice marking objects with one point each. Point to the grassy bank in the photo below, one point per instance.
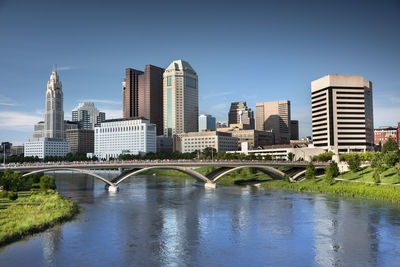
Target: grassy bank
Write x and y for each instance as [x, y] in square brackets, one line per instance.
[31, 214]
[371, 191]
[389, 175]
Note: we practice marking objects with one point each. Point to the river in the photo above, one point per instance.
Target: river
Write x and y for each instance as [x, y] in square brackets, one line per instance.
[166, 221]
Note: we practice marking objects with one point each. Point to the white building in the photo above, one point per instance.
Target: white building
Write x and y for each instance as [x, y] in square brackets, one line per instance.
[190, 142]
[181, 99]
[124, 136]
[54, 114]
[42, 147]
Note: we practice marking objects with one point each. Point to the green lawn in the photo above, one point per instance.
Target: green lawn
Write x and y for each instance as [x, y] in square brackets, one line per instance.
[389, 176]
[31, 214]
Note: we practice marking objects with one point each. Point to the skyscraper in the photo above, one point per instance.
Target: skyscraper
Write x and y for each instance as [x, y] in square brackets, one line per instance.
[239, 113]
[342, 113]
[150, 102]
[181, 98]
[274, 116]
[130, 93]
[207, 122]
[54, 114]
[87, 115]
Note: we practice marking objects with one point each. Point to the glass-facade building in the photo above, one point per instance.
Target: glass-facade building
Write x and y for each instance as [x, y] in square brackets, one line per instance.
[207, 122]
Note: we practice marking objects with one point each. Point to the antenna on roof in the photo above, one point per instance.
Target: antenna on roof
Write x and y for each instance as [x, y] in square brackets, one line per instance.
[55, 67]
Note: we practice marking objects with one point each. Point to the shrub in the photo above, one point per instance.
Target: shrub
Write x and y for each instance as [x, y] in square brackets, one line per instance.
[13, 196]
[331, 172]
[4, 194]
[354, 163]
[47, 182]
[377, 174]
[326, 156]
[391, 158]
[286, 178]
[310, 171]
[376, 161]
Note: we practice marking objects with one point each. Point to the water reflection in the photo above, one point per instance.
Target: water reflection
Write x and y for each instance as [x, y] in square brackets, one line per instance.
[159, 221]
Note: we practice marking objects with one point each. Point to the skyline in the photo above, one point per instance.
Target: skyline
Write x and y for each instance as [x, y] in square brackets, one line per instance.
[271, 53]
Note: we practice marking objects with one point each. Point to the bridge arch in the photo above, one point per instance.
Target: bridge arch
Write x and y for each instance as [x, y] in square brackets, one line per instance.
[197, 176]
[74, 170]
[301, 173]
[274, 173]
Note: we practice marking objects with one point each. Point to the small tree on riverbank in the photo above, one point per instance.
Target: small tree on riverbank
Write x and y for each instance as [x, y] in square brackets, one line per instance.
[46, 183]
[390, 146]
[377, 174]
[391, 158]
[331, 172]
[354, 163]
[310, 172]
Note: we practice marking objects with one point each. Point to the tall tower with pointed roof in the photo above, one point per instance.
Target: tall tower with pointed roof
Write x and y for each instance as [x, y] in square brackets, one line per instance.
[181, 99]
[54, 114]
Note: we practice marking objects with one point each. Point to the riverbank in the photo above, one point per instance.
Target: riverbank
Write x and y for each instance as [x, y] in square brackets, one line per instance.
[340, 188]
[30, 214]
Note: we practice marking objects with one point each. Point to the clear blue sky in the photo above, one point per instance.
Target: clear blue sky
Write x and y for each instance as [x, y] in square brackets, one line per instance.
[252, 51]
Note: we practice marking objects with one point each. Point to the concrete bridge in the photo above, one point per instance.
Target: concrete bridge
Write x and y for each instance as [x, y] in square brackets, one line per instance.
[131, 168]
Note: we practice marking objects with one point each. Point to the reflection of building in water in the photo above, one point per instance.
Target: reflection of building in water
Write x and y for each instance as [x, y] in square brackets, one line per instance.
[51, 243]
[339, 238]
[72, 181]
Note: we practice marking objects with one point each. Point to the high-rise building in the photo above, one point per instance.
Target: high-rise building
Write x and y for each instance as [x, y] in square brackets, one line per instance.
[222, 124]
[342, 113]
[239, 113]
[54, 114]
[207, 122]
[274, 116]
[130, 93]
[294, 130]
[80, 140]
[87, 115]
[150, 102]
[181, 98]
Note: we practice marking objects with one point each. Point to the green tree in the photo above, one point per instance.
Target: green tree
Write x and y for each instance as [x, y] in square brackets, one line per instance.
[354, 163]
[290, 156]
[377, 174]
[389, 146]
[326, 156]
[331, 172]
[391, 158]
[376, 161]
[310, 172]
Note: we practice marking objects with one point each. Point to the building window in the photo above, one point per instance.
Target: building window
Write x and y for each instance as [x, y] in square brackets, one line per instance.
[169, 80]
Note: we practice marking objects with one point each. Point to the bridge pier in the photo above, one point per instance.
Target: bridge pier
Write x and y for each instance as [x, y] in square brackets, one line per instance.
[210, 185]
[113, 188]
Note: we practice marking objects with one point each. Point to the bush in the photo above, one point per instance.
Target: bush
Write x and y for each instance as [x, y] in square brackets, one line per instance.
[377, 174]
[331, 172]
[13, 196]
[391, 158]
[325, 157]
[4, 194]
[376, 161]
[354, 163]
[47, 182]
[310, 172]
[286, 178]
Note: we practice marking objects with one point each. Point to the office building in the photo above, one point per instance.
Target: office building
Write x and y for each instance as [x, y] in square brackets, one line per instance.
[38, 130]
[207, 122]
[342, 113]
[294, 130]
[124, 136]
[181, 99]
[54, 113]
[150, 103]
[17, 150]
[198, 141]
[164, 144]
[274, 116]
[383, 134]
[239, 113]
[254, 138]
[80, 140]
[42, 147]
[87, 115]
[130, 93]
[222, 124]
